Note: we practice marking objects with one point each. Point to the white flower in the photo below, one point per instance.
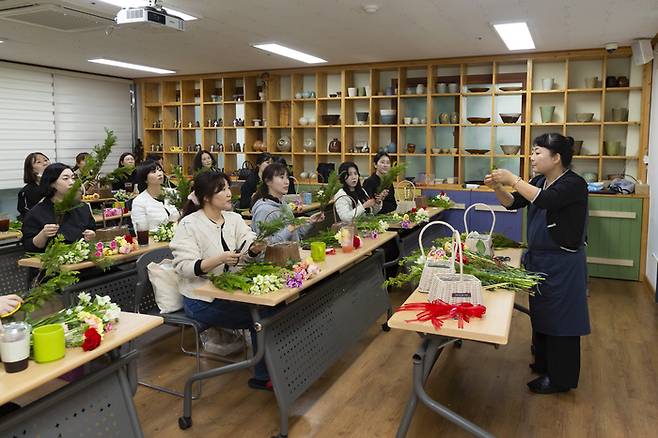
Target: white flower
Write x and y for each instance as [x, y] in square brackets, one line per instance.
[421, 260]
[383, 226]
[69, 312]
[84, 298]
[103, 300]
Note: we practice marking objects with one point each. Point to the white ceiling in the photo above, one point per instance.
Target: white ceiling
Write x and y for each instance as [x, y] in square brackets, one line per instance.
[336, 30]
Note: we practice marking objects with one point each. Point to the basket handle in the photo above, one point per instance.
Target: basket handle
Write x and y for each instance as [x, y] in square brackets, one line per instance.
[405, 189]
[493, 215]
[353, 205]
[452, 242]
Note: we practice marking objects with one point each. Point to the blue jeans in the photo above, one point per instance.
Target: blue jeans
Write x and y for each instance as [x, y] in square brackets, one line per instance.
[226, 314]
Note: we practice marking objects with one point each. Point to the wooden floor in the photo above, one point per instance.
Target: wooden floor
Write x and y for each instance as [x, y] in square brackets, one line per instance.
[364, 394]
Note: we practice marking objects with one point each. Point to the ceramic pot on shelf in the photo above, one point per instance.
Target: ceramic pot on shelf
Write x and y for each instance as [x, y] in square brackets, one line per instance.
[334, 146]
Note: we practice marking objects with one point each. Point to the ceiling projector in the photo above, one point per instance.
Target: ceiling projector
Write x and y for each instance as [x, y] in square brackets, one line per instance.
[152, 14]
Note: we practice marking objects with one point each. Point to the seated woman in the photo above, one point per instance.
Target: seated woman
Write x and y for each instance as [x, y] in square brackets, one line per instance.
[149, 208]
[30, 194]
[251, 184]
[268, 202]
[204, 160]
[211, 239]
[371, 184]
[40, 224]
[79, 162]
[348, 174]
[126, 183]
[291, 187]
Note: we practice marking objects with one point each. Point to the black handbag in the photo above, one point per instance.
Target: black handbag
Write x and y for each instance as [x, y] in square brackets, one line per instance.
[247, 168]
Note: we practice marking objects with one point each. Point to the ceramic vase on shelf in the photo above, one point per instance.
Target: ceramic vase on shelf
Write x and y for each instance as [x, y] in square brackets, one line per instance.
[334, 146]
[547, 112]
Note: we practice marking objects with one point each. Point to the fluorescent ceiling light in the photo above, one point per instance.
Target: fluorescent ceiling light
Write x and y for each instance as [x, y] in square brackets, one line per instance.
[290, 53]
[159, 71]
[516, 36]
[140, 3]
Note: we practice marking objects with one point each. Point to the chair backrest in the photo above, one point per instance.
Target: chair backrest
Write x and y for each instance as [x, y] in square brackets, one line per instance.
[13, 278]
[144, 296]
[119, 286]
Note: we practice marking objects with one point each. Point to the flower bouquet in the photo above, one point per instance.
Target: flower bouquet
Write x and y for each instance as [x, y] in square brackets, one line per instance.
[441, 201]
[119, 245]
[164, 232]
[86, 323]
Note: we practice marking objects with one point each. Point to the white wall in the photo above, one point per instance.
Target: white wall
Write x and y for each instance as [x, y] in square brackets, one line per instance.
[652, 178]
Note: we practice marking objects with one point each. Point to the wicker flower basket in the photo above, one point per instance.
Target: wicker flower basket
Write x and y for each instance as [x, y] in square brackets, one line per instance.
[433, 267]
[473, 237]
[405, 194]
[456, 288]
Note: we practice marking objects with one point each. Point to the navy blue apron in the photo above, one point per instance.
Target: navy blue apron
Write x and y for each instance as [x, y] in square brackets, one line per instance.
[559, 307]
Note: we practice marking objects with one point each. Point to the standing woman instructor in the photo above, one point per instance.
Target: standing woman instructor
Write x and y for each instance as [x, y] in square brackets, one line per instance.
[557, 224]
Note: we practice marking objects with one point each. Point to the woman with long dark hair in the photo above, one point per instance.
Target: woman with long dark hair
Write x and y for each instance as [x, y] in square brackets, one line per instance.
[149, 208]
[204, 160]
[352, 200]
[34, 165]
[557, 226]
[382, 164]
[251, 183]
[268, 202]
[211, 239]
[40, 224]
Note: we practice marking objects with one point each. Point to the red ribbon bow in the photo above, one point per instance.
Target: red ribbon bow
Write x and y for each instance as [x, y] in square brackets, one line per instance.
[439, 311]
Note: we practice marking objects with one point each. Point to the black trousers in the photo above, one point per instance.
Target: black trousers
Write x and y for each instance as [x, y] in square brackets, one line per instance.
[559, 358]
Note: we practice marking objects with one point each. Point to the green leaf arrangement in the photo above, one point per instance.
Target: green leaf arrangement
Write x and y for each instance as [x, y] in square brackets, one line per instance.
[243, 279]
[390, 177]
[272, 226]
[326, 195]
[178, 196]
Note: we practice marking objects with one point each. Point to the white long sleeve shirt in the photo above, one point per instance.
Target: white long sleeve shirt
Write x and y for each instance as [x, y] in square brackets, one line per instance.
[345, 207]
[147, 210]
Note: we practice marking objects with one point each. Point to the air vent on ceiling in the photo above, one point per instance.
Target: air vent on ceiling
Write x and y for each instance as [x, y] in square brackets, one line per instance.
[55, 16]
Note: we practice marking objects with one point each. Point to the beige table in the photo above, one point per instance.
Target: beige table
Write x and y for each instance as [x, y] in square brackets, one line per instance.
[101, 397]
[492, 328]
[99, 217]
[331, 265]
[35, 262]
[10, 235]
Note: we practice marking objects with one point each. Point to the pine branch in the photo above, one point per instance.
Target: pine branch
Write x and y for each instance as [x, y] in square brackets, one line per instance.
[390, 177]
[271, 227]
[328, 191]
[178, 196]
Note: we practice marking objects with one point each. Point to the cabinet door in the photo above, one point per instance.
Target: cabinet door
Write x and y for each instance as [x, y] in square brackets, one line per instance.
[508, 222]
[614, 234]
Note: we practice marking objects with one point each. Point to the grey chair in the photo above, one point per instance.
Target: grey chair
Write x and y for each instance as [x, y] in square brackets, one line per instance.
[119, 286]
[145, 303]
[13, 278]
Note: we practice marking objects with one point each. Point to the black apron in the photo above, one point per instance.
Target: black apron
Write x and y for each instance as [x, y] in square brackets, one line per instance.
[559, 307]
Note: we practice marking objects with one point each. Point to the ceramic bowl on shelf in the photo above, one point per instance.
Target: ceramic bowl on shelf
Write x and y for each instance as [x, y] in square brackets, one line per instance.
[388, 112]
[477, 151]
[478, 89]
[584, 117]
[330, 119]
[362, 117]
[445, 150]
[510, 88]
[453, 151]
[436, 150]
[303, 121]
[476, 120]
[510, 149]
[309, 145]
[510, 117]
[388, 120]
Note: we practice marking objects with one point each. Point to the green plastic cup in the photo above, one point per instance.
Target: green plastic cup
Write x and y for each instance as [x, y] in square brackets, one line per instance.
[318, 251]
[49, 343]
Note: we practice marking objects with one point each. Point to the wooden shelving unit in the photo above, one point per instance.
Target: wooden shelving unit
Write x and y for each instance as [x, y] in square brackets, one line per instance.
[282, 97]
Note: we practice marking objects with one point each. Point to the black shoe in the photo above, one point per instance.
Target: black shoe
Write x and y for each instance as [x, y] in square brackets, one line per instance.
[543, 385]
[264, 385]
[537, 369]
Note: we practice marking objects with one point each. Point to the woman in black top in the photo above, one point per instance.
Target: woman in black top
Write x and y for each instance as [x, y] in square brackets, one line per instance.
[80, 162]
[251, 183]
[557, 220]
[127, 159]
[371, 184]
[40, 224]
[35, 164]
[204, 160]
